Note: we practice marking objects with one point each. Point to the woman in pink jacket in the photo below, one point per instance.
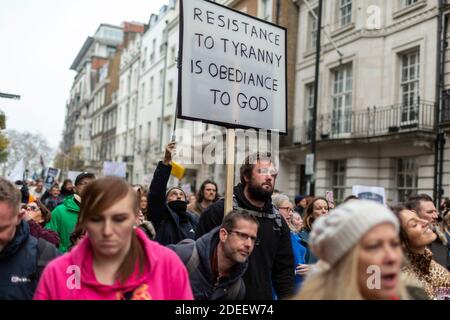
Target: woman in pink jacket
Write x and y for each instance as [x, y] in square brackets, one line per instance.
[115, 261]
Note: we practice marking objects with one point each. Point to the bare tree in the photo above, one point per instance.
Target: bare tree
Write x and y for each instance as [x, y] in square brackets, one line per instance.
[29, 147]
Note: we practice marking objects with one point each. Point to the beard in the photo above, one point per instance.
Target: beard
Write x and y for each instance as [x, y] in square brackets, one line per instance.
[232, 255]
[258, 193]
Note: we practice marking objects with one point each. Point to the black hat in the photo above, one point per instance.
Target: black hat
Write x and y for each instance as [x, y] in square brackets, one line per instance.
[84, 175]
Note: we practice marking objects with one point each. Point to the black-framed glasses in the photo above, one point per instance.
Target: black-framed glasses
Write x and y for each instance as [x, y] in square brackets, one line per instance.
[289, 209]
[243, 236]
[32, 208]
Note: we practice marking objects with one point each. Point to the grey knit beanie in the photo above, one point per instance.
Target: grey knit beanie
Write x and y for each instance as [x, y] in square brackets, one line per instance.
[333, 235]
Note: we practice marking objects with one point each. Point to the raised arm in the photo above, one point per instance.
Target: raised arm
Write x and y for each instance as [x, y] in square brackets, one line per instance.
[157, 193]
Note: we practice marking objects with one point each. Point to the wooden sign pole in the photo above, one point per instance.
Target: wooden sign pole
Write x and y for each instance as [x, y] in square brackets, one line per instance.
[229, 184]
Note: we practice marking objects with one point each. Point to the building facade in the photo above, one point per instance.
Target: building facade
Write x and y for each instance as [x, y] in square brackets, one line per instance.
[377, 101]
[127, 96]
[88, 91]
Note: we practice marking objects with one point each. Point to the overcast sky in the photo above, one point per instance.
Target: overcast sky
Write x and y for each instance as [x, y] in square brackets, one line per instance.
[40, 39]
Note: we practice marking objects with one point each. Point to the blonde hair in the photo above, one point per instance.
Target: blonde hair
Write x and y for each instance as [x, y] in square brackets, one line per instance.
[337, 282]
[441, 229]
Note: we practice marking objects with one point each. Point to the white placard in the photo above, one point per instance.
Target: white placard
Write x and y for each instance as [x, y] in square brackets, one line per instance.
[233, 70]
[309, 164]
[118, 169]
[377, 194]
[17, 173]
[72, 175]
[187, 189]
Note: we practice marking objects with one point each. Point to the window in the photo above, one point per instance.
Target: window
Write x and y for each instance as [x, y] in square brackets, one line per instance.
[128, 83]
[407, 3]
[312, 25]
[406, 178]
[143, 95]
[149, 134]
[150, 98]
[103, 97]
[161, 81]
[152, 54]
[309, 110]
[169, 92]
[338, 168]
[409, 85]
[342, 100]
[345, 12]
[111, 50]
[144, 58]
[266, 9]
[173, 56]
[168, 132]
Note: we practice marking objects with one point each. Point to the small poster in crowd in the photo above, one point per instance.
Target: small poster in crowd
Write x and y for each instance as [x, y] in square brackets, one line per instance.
[51, 177]
[186, 188]
[377, 194]
[18, 172]
[117, 169]
[72, 175]
[330, 198]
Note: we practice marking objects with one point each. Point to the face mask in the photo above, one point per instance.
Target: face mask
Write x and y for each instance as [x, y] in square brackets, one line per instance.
[178, 206]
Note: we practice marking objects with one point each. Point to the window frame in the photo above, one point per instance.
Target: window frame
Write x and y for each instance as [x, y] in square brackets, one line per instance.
[407, 170]
[345, 15]
[338, 173]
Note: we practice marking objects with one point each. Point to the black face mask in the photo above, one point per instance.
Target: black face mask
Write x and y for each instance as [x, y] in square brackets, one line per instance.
[179, 206]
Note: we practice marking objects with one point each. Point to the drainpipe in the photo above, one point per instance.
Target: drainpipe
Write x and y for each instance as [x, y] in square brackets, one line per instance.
[278, 12]
[440, 66]
[163, 93]
[316, 98]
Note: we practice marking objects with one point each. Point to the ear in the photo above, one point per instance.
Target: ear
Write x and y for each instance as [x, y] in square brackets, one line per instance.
[223, 234]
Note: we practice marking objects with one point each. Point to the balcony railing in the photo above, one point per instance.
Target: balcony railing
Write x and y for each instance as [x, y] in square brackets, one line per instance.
[372, 122]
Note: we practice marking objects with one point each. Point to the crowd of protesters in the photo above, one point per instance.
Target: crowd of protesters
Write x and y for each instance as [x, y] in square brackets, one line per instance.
[101, 238]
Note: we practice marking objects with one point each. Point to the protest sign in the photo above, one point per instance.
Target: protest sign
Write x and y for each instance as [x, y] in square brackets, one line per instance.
[187, 189]
[329, 195]
[233, 68]
[72, 175]
[18, 172]
[377, 194]
[118, 169]
[51, 177]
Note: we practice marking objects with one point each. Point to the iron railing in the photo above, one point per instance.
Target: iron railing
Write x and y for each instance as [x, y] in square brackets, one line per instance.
[371, 122]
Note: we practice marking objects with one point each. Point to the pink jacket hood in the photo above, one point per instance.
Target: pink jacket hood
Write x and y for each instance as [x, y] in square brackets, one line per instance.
[164, 278]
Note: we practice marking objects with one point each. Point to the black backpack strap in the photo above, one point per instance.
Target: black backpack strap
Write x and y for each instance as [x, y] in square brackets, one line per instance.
[194, 260]
[45, 254]
[234, 289]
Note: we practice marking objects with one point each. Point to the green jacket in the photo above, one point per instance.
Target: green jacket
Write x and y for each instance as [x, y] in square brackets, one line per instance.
[63, 221]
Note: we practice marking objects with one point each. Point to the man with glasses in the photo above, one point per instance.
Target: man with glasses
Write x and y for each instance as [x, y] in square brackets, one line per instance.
[217, 261]
[272, 262]
[65, 216]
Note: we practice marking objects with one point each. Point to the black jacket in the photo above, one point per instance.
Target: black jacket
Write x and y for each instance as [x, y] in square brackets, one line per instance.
[440, 253]
[202, 278]
[19, 272]
[170, 227]
[272, 260]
